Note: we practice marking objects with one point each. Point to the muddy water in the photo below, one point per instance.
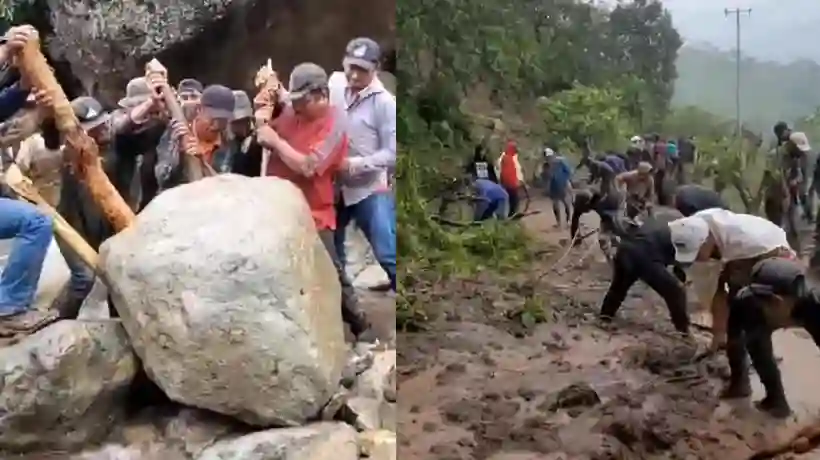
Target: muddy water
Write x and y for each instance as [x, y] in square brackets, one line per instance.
[800, 368]
[471, 389]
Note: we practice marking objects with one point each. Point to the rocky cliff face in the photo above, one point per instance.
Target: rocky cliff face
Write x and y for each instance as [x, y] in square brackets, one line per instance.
[106, 42]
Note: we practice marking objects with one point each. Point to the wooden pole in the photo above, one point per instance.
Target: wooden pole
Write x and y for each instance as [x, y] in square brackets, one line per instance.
[21, 185]
[79, 147]
[196, 167]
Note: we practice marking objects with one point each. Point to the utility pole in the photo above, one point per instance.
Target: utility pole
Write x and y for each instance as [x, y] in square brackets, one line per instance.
[737, 12]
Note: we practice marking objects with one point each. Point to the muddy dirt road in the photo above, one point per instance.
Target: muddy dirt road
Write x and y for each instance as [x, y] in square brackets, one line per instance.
[478, 385]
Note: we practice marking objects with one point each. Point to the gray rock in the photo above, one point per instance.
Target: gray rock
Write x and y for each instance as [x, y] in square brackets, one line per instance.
[378, 445]
[106, 42]
[373, 382]
[321, 441]
[63, 386]
[231, 300]
[95, 305]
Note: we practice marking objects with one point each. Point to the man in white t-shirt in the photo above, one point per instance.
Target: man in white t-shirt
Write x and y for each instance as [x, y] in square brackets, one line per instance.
[741, 242]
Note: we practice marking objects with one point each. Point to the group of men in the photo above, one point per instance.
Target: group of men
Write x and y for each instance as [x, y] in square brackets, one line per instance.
[333, 136]
[762, 285]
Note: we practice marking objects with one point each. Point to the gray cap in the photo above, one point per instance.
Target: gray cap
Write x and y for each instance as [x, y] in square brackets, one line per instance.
[304, 78]
[217, 102]
[189, 85]
[89, 112]
[136, 93]
[242, 105]
[362, 52]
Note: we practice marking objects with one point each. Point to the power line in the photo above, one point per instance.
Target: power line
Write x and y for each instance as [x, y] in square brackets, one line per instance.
[737, 12]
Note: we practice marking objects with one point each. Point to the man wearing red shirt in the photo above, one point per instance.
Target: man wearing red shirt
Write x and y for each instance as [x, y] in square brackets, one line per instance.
[308, 143]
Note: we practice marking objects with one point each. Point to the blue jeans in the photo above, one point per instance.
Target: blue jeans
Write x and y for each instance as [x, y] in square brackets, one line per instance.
[376, 217]
[32, 231]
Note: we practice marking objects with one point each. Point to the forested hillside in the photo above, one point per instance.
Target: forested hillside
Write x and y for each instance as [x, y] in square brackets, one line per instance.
[770, 91]
[589, 73]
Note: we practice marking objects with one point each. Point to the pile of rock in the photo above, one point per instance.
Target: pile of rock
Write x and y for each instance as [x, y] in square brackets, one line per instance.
[234, 314]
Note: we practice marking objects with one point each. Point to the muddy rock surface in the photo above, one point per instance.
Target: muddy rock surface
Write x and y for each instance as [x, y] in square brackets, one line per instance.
[480, 385]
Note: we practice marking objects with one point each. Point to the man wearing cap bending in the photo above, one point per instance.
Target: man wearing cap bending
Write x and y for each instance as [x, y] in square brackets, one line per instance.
[371, 128]
[308, 144]
[210, 122]
[742, 242]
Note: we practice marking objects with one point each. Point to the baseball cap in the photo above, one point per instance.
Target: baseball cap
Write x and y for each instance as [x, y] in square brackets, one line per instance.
[800, 141]
[217, 102]
[304, 78]
[136, 92]
[362, 52]
[688, 235]
[242, 105]
[548, 152]
[89, 112]
[644, 167]
[189, 85]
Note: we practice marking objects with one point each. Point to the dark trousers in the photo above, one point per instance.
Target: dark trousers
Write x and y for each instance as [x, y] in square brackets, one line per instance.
[631, 264]
[749, 332]
[351, 313]
[513, 200]
[660, 176]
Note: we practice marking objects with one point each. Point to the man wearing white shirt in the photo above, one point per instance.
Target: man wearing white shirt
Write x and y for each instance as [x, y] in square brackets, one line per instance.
[371, 128]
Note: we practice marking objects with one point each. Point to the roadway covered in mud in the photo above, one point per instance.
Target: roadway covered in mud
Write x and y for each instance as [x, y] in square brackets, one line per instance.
[478, 385]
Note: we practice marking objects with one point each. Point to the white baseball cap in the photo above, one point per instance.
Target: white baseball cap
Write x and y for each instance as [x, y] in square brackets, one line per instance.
[548, 152]
[800, 141]
[688, 235]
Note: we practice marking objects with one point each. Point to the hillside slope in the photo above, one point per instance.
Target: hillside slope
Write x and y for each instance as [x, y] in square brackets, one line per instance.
[770, 91]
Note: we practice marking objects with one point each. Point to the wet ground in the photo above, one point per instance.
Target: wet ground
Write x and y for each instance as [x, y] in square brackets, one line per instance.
[479, 385]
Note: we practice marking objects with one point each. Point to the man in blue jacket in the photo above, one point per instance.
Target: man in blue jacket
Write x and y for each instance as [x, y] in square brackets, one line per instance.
[560, 187]
[28, 227]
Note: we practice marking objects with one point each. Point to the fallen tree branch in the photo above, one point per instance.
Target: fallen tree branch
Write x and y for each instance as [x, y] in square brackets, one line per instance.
[80, 149]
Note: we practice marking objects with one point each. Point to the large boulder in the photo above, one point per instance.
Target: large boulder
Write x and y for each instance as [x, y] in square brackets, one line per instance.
[64, 385]
[231, 299]
[106, 42]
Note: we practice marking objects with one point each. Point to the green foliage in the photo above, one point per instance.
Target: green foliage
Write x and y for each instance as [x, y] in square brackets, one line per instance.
[429, 253]
[585, 112]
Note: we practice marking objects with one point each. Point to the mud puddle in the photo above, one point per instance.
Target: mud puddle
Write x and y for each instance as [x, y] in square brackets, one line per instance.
[474, 388]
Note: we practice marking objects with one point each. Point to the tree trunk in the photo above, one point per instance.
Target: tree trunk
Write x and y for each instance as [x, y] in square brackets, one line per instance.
[79, 148]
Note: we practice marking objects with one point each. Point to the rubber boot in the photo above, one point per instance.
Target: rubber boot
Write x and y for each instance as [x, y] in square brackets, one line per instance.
[762, 354]
[67, 303]
[739, 384]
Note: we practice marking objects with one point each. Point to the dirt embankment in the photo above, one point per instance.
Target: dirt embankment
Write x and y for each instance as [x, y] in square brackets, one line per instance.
[477, 385]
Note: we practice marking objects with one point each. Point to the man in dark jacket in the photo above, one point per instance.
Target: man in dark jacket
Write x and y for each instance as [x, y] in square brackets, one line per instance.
[777, 296]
